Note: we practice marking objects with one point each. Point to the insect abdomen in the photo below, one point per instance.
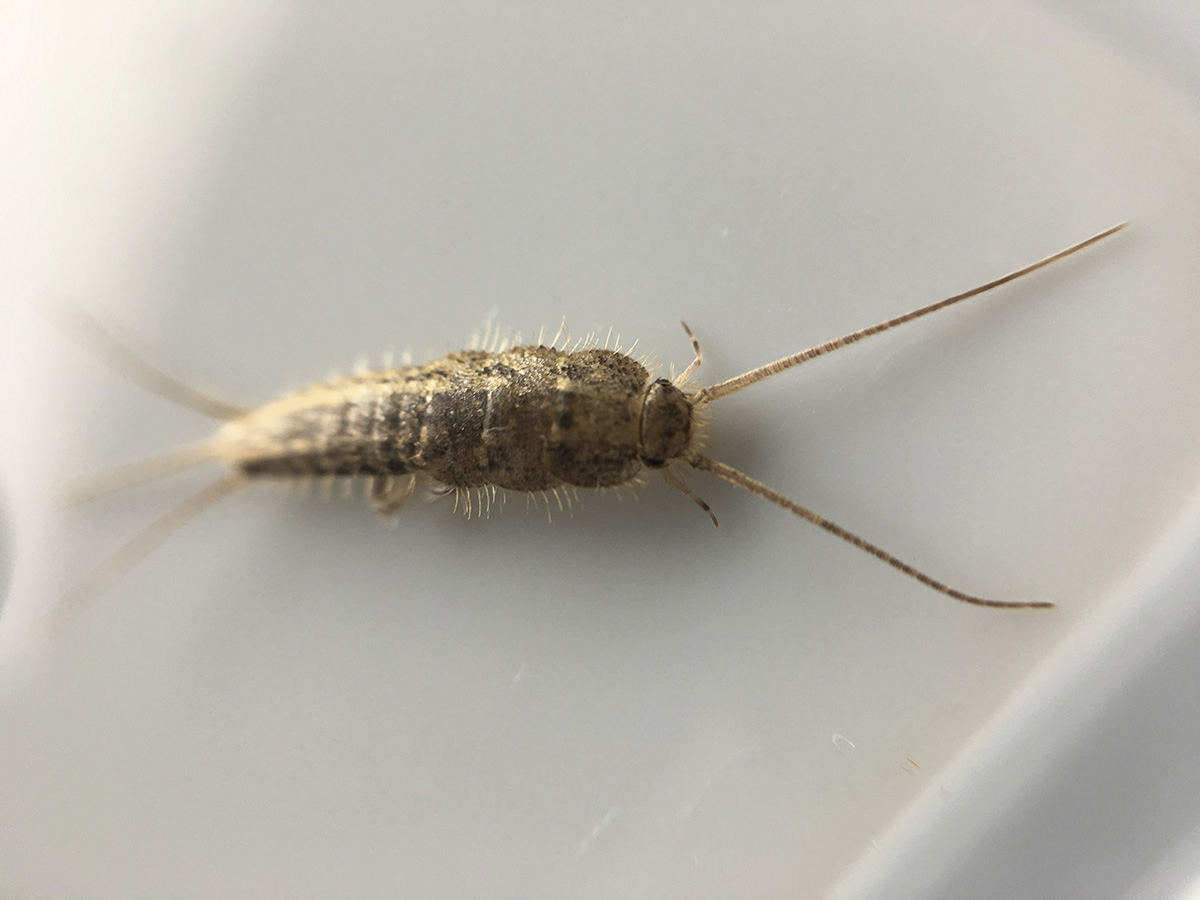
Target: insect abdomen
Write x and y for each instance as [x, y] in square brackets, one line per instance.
[526, 419]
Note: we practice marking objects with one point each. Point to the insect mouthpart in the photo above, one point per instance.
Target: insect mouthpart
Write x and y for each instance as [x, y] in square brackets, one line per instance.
[666, 431]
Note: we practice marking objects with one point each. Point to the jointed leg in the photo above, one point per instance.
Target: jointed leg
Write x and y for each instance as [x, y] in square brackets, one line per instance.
[389, 493]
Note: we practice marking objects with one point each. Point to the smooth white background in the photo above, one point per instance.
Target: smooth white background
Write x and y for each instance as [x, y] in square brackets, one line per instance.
[289, 699]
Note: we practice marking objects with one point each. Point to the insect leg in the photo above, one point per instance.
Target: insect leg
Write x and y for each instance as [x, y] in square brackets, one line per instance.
[733, 476]
[390, 493]
[76, 600]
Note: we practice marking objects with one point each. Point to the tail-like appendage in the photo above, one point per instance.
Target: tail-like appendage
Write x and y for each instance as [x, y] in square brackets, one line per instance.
[76, 600]
[134, 473]
[87, 330]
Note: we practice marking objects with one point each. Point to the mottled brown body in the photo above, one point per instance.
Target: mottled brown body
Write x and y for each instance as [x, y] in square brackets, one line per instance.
[529, 418]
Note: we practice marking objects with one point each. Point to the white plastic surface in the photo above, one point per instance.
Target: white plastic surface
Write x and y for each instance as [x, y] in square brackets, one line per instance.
[289, 700]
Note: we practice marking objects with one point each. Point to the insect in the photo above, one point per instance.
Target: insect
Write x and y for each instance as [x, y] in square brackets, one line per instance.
[532, 418]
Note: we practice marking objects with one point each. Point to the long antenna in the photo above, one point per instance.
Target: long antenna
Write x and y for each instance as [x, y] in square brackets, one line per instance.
[733, 476]
[716, 391]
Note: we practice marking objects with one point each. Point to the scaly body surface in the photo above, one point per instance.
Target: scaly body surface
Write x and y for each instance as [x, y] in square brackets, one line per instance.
[529, 418]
